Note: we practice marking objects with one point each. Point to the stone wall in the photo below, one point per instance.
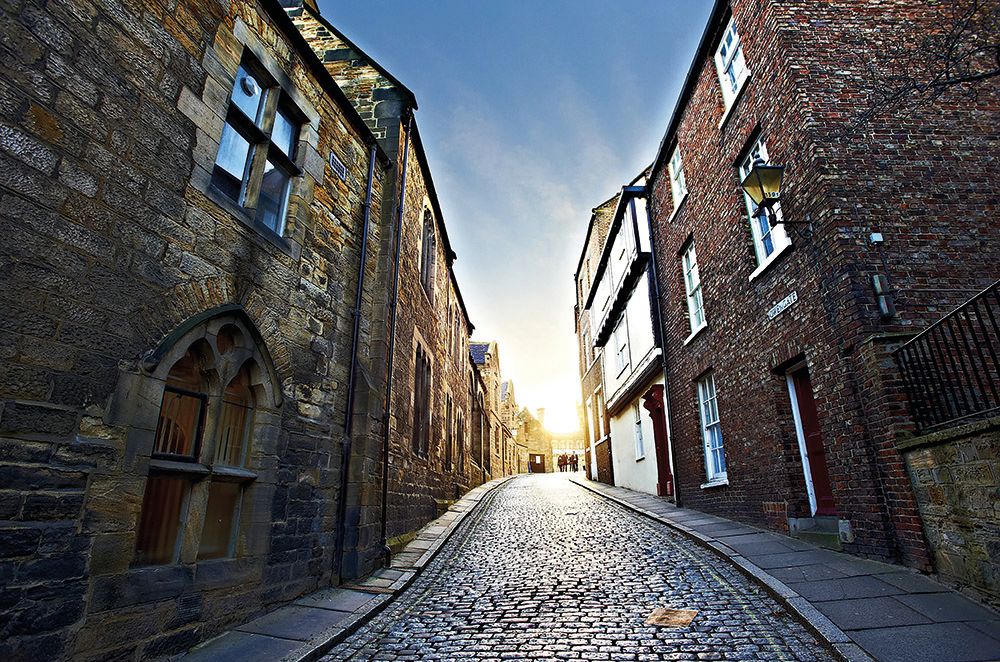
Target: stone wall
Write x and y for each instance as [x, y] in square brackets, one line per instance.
[116, 249]
[956, 477]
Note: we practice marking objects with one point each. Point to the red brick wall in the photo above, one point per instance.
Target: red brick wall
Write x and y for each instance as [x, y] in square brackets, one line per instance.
[921, 179]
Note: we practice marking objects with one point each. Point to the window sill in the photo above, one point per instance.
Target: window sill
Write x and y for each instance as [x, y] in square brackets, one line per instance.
[240, 214]
[718, 482]
[771, 259]
[677, 207]
[175, 467]
[736, 100]
[695, 333]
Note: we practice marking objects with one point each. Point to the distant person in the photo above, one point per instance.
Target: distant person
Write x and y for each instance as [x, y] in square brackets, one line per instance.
[575, 462]
[562, 462]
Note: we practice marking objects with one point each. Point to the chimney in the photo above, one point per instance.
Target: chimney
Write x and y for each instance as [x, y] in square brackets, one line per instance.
[541, 416]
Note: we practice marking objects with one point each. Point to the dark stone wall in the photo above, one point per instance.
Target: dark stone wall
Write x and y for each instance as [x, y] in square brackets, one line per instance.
[807, 84]
[419, 487]
[111, 117]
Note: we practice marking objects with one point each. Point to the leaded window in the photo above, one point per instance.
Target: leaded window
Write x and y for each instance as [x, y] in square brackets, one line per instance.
[255, 163]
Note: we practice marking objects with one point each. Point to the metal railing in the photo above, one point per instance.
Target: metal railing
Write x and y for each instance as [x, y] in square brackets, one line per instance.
[951, 371]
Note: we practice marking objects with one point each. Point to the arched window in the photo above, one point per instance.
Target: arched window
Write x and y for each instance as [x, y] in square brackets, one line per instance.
[214, 381]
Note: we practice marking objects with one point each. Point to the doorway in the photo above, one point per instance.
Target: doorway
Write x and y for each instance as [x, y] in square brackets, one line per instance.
[536, 464]
[811, 448]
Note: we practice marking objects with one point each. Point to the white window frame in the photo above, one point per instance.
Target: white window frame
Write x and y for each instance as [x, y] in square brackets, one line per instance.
[620, 337]
[640, 447]
[711, 432]
[762, 235]
[731, 65]
[678, 183]
[692, 287]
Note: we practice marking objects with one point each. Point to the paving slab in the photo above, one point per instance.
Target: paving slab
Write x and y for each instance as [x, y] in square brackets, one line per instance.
[294, 622]
[241, 646]
[336, 599]
[807, 573]
[863, 613]
[845, 588]
[910, 581]
[945, 607]
[937, 642]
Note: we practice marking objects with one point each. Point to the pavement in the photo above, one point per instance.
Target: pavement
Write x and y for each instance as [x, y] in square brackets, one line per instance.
[865, 609]
[546, 570]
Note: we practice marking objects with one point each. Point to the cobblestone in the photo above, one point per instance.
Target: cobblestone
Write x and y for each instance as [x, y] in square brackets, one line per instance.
[549, 571]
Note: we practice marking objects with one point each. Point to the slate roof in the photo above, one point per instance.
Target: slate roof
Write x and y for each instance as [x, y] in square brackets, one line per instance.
[478, 351]
[503, 390]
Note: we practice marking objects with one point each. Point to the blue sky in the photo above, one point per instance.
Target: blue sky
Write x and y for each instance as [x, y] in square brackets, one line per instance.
[532, 113]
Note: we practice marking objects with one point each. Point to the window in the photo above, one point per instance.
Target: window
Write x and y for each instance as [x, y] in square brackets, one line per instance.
[715, 457]
[767, 241]
[730, 64]
[212, 387]
[421, 402]
[640, 450]
[460, 438]
[678, 185]
[449, 438]
[692, 285]
[256, 159]
[427, 255]
[621, 346]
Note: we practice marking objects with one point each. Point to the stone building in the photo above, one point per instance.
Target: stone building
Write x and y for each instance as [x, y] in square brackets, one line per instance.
[179, 274]
[536, 440]
[785, 402]
[427, 327]
[227, 291]
[598, 451]
[500, 453]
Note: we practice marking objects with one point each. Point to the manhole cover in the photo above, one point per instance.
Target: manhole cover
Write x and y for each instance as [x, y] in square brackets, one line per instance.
[671, 618]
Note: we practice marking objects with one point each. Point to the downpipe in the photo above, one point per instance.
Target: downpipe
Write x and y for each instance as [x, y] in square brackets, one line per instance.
[667, 409]
[346, 447]
[386, 418]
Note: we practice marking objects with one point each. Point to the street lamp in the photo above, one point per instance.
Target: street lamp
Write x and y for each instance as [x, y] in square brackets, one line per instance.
[763, 185]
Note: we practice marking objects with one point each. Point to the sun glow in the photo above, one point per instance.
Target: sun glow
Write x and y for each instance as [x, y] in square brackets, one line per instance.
[562, 418]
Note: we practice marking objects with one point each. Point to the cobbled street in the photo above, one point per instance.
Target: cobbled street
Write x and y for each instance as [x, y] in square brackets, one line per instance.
[549, 571]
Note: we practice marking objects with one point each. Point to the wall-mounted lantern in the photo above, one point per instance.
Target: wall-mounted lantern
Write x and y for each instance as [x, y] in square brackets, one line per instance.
[763, 185]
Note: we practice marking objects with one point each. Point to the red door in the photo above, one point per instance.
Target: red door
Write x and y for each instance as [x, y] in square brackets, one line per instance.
[815, 452]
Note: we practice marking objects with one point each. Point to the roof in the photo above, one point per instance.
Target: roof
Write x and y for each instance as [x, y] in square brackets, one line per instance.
[277, 13]
[503, 390]
[610, 203]
[314, 12]
[478, 351]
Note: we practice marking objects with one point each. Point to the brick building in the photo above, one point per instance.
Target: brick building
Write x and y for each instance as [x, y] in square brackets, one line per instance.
[199, 287]
[598, 451]
[784, 399]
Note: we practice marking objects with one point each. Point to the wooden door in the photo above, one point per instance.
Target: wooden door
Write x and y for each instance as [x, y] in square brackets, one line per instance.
[811, 442]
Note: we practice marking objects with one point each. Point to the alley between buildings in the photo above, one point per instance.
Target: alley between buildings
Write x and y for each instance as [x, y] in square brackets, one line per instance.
[547, 570]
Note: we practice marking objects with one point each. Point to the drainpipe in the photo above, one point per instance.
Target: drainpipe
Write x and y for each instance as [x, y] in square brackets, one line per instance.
[387, 553]
[659, 338]
[345, 458]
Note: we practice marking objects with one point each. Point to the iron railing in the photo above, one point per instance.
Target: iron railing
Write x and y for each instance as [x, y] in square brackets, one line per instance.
[951, 371]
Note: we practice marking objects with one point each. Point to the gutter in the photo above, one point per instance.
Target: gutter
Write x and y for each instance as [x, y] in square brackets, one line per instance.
[386, 416]
[345, 457]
